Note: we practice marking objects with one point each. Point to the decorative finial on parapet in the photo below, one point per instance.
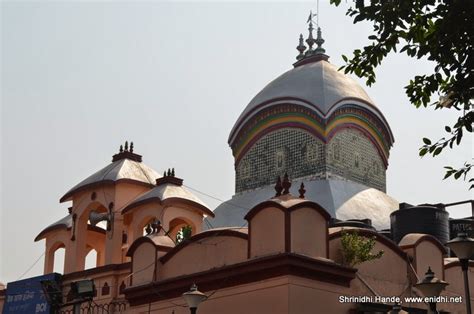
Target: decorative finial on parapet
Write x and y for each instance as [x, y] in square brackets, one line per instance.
[429, 273]
[302, 190]
[319, 41]
[125, 153]
[169, 177]
[278, 187]
[286, 184]
[301, 48]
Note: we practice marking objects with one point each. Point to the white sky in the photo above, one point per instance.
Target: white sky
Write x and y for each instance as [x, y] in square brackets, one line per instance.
[80, 78]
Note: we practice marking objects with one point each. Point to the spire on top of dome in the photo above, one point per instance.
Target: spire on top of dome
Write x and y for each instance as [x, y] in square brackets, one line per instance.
[310, 40]
[311, 55]
[301, 48]
[126, 153]
[319, 41]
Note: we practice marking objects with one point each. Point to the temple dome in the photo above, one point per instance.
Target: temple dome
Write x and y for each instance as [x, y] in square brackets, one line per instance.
[317, 85]
[126, 166]
[169, 190]
[342, 199]
[318, 126]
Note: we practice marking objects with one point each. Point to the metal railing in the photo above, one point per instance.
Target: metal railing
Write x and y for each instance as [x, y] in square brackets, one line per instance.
[96, 308]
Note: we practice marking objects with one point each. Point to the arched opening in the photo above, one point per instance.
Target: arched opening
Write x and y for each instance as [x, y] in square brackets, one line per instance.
[98, 213]
[180, 225]
[91, 259]
[90, 237]
[58, 263]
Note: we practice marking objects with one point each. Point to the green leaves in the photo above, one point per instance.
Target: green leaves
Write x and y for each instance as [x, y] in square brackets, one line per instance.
[440, 31]
[357, 249]
[183, 234]
[463, 171]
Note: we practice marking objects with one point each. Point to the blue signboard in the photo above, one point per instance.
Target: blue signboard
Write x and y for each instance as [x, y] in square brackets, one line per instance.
[27, 295]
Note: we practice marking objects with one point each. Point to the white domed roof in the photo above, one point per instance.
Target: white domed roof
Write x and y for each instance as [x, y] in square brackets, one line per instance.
[125, 166]
[166, 192]
[124, 169]
[342, 199]
[317, 84]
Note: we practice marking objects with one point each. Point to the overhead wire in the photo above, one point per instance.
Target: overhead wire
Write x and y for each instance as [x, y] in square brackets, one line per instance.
[215, 198]
[36, 261]
[209, 224]
[153, 289]
[33, 265]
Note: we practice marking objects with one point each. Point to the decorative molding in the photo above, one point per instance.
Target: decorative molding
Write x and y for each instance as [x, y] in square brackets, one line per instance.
[314, 58]
[429, 238]
[97, 270]
[105, 289]
[243, 120]
[292, 115]
[146, 239]
[166, 202]
[64, 226]
[254, 270]
[170, 180]
[457, 263]
[271, 203]
[102, 183]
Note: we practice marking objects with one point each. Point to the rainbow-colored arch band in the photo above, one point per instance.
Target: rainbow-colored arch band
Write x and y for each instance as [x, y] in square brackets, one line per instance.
[289, 115]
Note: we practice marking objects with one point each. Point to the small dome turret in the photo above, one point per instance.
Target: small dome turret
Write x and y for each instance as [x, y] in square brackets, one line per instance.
[126, 166]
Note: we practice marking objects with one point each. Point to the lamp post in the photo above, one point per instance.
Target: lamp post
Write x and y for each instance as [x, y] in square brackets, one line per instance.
[83, 290]
[193, 297]
[463, 247]
[431, 287]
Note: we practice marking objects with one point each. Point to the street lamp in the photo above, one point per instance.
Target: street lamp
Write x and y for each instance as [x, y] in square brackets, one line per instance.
[193, 297]
[431, 287]
[396, 309]
[463, 247]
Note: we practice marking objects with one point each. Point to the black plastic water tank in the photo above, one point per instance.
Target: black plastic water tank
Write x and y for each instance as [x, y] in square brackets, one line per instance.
[428, 219]
[386, 232]
[461, 225]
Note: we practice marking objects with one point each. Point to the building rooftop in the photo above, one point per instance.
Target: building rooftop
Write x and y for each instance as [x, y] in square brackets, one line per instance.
[341, 198]
[168, 188]
[125, 166]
